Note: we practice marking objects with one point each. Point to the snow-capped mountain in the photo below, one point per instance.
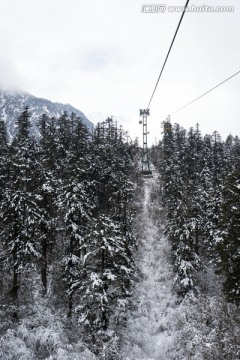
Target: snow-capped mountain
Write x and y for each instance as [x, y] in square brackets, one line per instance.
[12, 103]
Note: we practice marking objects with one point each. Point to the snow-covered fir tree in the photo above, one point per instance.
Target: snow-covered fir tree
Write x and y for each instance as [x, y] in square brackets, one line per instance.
[76, 204]
[19, 211]
[48, 189]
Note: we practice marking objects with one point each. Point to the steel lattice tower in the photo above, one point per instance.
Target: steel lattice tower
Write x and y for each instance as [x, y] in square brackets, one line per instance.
[144, 113]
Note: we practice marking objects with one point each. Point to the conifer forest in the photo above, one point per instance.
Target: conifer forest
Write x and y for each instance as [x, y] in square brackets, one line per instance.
[100, 262]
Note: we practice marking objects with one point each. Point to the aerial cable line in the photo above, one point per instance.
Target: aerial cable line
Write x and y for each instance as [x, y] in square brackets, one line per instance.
[168, 53]
[207, 92]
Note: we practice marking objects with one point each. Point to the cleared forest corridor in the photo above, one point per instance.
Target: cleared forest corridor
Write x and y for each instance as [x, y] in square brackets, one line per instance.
[149, 333]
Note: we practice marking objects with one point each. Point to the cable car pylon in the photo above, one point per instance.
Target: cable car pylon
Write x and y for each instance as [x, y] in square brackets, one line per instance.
[144, 113]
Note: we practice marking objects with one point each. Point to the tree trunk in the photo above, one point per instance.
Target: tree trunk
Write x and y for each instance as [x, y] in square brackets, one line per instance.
[15, 287]
[44, 266]
[104, 305]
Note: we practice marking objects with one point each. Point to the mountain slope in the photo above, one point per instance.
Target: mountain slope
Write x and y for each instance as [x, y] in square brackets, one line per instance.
[12, 103]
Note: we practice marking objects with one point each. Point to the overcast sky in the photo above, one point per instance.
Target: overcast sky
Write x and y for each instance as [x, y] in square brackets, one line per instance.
[104, 57]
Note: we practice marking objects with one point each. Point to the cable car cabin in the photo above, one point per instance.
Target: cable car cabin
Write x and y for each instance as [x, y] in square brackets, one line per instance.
[140, 121]
[167, 127]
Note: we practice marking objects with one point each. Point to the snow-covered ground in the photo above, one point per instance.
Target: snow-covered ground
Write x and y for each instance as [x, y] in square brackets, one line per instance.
[149, 334]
